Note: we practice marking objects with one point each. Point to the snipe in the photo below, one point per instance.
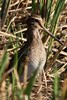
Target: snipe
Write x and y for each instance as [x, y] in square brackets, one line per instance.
[33, 48]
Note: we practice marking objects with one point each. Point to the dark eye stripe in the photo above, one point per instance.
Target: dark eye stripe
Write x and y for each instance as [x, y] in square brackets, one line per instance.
[36, 20]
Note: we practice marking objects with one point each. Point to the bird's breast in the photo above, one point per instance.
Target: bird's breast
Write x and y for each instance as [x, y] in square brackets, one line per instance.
[37, 57]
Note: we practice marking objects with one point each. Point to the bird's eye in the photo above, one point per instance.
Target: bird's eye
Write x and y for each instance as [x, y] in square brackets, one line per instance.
[38, 21]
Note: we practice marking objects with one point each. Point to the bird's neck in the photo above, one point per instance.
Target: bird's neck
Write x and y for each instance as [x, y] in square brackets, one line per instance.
[33, 34]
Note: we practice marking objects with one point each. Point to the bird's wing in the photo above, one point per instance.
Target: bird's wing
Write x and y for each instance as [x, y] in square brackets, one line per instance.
[21, 54]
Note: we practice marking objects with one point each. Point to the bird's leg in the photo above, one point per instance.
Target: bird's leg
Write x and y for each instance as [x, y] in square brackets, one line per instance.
[40, 83]
[44, 78]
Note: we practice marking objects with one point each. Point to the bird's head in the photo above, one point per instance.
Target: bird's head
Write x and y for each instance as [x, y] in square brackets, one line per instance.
[34, 24]
[35, 21]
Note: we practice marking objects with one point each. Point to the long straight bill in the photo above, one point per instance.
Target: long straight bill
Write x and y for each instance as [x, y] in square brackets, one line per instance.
[45, 30]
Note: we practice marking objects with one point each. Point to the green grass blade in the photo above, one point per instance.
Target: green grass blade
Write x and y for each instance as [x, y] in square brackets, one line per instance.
[56, 87]
[3, 64]
[49, 5]
[33, 6]
[58, 9]
[4, 10]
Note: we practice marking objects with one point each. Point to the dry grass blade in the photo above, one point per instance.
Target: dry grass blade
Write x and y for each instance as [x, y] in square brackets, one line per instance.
[17, 79]
[64, 89]
[6, 74]
[62, 69]
[10, 35]
[56, 55]
[25, 71]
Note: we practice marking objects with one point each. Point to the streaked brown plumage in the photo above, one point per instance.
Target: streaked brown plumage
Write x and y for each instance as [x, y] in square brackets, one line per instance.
[33, 48]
